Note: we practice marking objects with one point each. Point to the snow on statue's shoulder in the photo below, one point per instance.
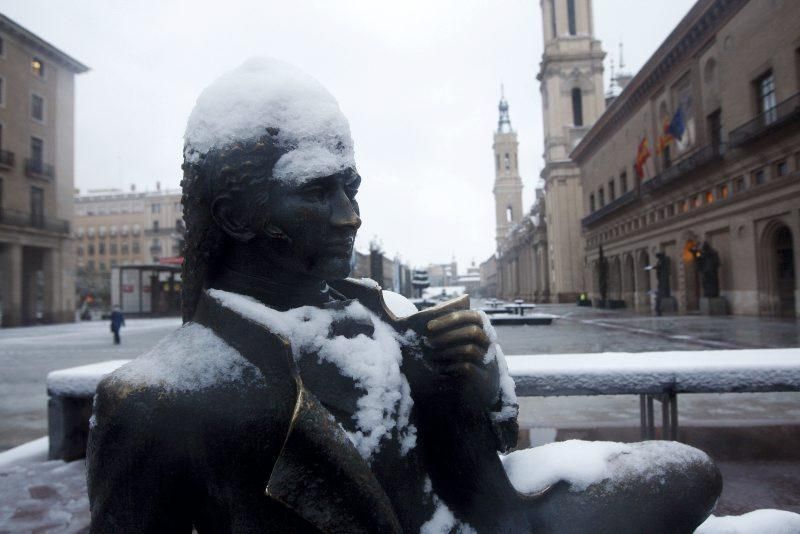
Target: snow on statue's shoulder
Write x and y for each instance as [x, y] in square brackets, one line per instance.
[584, 463]
[266, 93]
[191, 358]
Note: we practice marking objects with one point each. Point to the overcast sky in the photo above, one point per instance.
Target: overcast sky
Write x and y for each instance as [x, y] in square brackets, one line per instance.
[418, 80]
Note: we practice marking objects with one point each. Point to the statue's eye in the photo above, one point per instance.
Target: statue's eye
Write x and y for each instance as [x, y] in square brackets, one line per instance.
[315, 192]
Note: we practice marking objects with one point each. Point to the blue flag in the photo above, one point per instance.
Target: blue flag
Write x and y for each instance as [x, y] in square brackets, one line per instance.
[676, 126]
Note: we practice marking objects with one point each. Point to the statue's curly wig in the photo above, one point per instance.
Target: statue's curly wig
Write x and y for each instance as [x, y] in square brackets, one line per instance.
[242, 170]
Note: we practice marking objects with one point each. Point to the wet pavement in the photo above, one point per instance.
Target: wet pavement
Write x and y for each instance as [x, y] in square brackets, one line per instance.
[27, 354]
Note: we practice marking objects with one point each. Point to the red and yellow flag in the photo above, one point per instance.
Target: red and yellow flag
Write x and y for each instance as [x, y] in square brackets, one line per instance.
[641, 157]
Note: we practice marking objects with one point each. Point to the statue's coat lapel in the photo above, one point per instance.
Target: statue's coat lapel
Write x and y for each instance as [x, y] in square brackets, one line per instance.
[318, 474]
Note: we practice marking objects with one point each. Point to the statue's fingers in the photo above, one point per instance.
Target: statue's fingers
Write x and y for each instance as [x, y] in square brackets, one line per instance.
[459, 336]
[469, 352]
[454, 319]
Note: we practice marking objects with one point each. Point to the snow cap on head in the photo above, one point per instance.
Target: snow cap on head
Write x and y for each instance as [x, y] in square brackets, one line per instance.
[266, 93]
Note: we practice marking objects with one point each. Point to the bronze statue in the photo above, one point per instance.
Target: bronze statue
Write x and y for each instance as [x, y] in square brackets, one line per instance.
[294, 399]
[708, 265]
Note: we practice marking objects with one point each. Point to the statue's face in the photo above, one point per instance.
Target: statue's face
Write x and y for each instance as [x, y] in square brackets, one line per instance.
[311, 225]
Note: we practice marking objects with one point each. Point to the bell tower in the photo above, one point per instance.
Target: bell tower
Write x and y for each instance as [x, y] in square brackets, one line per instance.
[507, 182]
[571, 86]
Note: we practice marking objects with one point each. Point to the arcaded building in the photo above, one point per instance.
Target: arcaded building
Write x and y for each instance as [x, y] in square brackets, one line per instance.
[703, 145]
[37, 101]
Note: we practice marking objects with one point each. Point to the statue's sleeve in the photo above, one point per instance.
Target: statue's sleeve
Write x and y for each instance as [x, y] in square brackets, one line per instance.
[133, 475]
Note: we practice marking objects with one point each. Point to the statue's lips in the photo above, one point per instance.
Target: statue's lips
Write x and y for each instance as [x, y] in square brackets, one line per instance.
[343, 246]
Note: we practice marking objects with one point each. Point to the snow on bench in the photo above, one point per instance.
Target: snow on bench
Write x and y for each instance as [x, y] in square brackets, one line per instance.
[656, 376]
[611, 373]
[80, 381]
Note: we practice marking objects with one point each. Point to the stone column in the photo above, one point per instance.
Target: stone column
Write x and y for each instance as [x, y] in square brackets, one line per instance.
[53, 288]
[11, 279]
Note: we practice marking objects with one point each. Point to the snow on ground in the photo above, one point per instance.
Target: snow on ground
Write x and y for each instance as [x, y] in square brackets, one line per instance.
[707, 371]
[583, 463]
[266, 93]
[38, 495]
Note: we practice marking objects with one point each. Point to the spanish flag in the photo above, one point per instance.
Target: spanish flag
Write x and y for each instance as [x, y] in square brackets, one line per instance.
[641, 157]
[665, 138]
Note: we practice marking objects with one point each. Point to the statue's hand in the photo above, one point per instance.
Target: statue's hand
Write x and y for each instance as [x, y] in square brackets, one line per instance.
[457, 347]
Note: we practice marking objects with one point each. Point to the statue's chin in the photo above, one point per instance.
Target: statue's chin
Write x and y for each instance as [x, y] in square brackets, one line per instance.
[334, 269]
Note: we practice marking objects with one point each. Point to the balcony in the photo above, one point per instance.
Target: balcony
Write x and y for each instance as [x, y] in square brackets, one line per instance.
[786, 112]
[37, 169]
[696, 160]
[614, 205]
[6, 159]
[22, 219]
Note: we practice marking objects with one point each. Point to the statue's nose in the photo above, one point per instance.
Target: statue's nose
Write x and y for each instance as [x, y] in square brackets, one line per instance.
[343, 212]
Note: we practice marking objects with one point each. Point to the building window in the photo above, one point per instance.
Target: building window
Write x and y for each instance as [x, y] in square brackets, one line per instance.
[37, 152]
[507, 162]
[577, 107]
[591, 203]
[509, 214]
[601, 197]
[155, 226]
[670, 210]
[113, 263]
[37, 66]
[102, 265]
[571, 17]
[90, 249]
[667, 159]
[765, 97]
[683, 206]
[124, 249]
[125, 229]
[79, 251]
[612, 192]
[101, 247]
[739, 185]
[136, 229]
[37, 107]
[113, 249]
[155, 208]
[715, 130]
[709, 197]
[135, 247]
[758, 177]
[623, 182]
[90, 265]
[113, 230]
[90, 231]
[723, 192]
[781, 168]
[697, 201]
[37, 207]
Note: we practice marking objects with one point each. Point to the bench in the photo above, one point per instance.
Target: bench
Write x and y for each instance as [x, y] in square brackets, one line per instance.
[657, 376]
[654, 376]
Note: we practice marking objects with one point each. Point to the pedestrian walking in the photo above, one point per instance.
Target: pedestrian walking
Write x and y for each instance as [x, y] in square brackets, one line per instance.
[117, 322]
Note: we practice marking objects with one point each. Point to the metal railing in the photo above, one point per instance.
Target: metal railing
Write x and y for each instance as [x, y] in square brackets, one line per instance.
[35, 168]
[681, 168]
[786, 112]
[614, 205]
[32, 220]
[6, 159]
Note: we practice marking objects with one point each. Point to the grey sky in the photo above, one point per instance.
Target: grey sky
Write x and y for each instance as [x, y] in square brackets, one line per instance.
[418, 80]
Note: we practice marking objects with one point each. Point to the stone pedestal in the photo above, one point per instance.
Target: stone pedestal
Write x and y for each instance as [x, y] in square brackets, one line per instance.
[669, 305]
[714, 306]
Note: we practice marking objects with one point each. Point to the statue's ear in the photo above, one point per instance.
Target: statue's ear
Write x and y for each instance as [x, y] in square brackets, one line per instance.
[231, 219]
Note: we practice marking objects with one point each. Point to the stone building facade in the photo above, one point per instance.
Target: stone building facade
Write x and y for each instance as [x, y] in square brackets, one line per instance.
[113, 228]
[571, 85]
[725, 85]
[37, 101]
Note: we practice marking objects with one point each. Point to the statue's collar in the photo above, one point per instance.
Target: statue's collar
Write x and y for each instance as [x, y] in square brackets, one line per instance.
[275, 294]
[319, 473]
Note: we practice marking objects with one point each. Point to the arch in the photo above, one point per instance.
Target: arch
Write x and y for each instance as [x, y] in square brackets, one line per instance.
[778, 291]
[615, 279]
[643, 282]
[628, 280]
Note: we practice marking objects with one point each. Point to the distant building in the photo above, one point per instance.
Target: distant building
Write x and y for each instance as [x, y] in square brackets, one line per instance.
[703, 144]
[471, 280]
[390, 274]
[37, 100]
[113, 227]
[443, 274]
[488, 274]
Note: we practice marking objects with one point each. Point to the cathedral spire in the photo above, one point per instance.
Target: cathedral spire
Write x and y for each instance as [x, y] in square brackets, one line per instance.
[504, 122]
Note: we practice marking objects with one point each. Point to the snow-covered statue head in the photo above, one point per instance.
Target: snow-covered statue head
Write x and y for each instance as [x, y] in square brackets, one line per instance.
[268, 167]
